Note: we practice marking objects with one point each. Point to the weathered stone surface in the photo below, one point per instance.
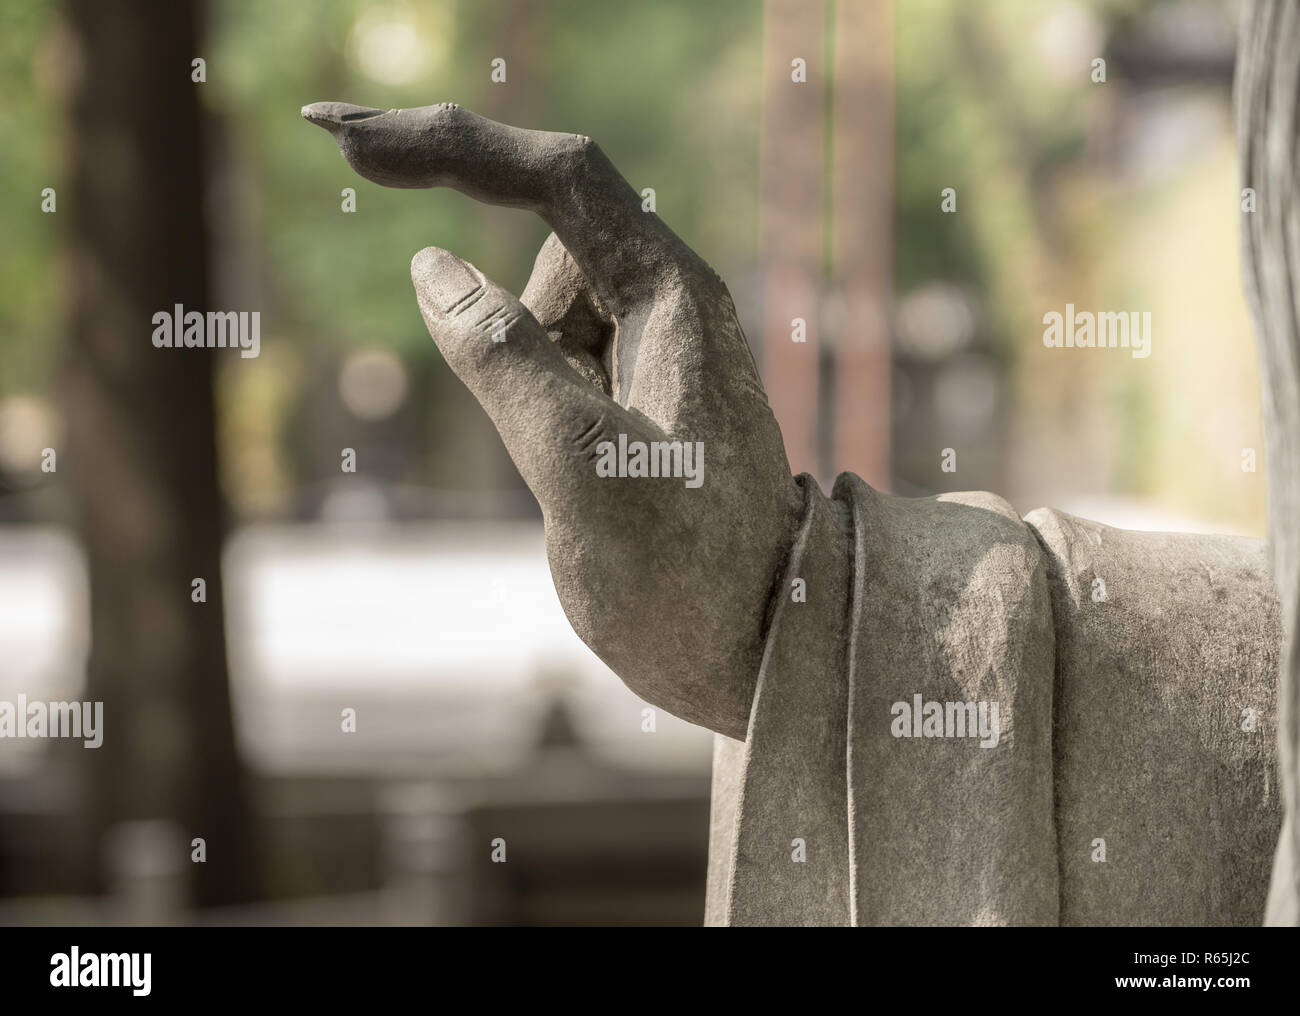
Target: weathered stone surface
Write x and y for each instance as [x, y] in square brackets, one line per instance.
[1121, 720]
[1154, 685]
[1116, 718]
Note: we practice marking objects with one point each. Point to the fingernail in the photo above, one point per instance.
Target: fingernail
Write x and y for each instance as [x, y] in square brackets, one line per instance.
[443, 280]
[334, 115]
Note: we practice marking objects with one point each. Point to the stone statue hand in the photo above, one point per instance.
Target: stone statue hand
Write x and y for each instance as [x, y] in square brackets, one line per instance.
[624, 344]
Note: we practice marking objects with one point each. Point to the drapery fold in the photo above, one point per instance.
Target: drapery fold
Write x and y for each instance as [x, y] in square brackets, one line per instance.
[952, 714]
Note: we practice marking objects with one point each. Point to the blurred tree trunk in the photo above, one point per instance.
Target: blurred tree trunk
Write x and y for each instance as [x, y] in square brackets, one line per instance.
[141, 450]
[1268, 118]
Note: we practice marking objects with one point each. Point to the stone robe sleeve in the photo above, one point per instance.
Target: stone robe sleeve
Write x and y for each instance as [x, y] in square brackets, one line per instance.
[1133, 677]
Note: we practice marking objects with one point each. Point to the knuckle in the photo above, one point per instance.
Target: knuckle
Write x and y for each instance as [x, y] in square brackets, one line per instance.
[586, 437]
[483, 330]
[578, 150]
[467, 302]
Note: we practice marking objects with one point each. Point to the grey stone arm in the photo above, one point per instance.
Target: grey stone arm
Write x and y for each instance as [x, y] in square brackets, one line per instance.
[623, 336]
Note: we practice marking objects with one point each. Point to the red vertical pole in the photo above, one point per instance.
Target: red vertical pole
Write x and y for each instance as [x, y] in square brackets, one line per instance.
[861, 225]
[791, 176]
